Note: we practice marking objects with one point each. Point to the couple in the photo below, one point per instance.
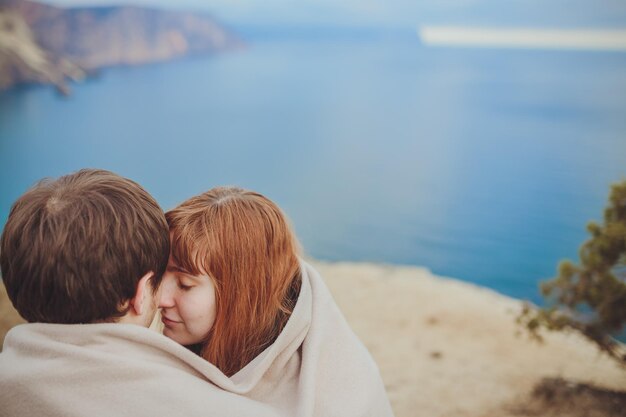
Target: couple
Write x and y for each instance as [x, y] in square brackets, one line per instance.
[251, 329]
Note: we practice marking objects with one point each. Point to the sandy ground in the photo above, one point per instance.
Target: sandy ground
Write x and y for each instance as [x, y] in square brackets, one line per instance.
[448, 348]
[444, 347]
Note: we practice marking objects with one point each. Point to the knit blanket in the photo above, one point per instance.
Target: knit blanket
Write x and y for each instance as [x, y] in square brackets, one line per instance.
[316, 367]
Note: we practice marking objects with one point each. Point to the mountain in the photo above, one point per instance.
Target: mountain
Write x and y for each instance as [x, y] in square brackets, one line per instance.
[46, 44]
[23, 60]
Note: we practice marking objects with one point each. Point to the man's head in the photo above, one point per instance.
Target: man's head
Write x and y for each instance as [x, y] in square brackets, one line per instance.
[88, 247]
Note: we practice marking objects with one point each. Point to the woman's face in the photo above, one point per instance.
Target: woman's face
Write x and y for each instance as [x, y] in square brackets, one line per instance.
[187, 305]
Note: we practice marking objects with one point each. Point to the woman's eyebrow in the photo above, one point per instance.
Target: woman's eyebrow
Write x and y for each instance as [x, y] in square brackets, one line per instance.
[197, 279]
[176, 268]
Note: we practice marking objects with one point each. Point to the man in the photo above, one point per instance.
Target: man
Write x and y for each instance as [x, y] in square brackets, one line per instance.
[82, 258]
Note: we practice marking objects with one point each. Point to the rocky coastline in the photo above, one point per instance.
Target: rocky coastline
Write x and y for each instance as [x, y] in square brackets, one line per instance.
[43, 44]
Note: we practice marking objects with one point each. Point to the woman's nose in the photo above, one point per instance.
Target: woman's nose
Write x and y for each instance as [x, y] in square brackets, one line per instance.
[168, 287]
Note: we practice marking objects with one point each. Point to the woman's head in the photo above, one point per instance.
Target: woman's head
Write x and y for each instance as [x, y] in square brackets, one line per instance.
[233, 275]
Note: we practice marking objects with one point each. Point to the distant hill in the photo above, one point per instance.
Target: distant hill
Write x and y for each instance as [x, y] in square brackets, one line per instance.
[45, 44]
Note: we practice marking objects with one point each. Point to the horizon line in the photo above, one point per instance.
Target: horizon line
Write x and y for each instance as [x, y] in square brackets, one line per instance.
[529, 38]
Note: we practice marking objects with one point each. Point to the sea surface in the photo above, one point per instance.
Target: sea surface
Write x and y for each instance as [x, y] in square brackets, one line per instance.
[479, 164]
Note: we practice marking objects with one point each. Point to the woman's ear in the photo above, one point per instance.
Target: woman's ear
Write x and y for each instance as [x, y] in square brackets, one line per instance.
[137, 303]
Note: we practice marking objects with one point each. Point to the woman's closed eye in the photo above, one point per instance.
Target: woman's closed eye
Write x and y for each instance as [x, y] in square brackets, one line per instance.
[183, 286]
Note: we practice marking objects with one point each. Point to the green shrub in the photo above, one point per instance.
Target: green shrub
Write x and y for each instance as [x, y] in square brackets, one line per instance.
[590, 297]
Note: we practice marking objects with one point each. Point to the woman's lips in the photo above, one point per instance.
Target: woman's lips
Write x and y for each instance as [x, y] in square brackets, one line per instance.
[167, 321]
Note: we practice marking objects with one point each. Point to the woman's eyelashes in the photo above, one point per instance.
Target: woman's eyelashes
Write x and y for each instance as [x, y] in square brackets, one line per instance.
[184, 286]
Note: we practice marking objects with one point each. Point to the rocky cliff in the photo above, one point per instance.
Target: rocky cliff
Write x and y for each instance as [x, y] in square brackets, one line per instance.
[23, 60]
[46, 44]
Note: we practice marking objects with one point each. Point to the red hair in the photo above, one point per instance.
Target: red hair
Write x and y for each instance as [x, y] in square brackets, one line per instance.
[243, 241]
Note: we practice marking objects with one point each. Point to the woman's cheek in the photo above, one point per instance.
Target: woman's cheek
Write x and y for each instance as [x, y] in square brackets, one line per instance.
[195, 307]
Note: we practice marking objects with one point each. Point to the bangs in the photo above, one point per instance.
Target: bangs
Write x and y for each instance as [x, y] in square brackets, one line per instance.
[185, 247]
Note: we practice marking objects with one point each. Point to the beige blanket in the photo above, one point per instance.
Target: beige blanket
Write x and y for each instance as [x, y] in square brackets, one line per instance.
[107, 370]
[316, 367]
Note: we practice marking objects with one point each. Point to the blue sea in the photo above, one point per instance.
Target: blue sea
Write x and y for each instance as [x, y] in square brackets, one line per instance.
[479, 164]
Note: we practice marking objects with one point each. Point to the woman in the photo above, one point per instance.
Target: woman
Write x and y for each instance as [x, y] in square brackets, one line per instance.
[236, 293]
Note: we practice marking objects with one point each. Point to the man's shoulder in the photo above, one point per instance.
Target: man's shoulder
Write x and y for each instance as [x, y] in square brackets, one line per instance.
[49, 371]
[86, 346]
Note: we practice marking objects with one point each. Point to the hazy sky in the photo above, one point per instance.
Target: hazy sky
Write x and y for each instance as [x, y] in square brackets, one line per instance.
[394, 13]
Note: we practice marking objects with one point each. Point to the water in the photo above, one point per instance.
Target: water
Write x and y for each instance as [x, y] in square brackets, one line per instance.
[480, 164]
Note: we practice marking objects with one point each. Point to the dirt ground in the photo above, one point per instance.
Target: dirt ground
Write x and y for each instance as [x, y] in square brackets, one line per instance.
[447, 348]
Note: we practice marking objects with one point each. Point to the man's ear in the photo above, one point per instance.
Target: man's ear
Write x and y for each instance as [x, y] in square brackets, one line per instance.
[137, 302]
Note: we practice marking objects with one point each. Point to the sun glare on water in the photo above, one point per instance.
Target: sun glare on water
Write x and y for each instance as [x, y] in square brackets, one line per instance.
[529, 38]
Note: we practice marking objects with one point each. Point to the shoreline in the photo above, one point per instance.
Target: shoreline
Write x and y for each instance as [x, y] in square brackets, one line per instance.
[446, 347]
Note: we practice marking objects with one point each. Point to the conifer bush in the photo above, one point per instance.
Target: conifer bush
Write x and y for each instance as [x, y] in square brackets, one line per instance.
[590, 296]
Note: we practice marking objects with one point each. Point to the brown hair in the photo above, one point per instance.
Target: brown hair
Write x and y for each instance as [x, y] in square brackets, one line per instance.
[74, 249]
[244, 243]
